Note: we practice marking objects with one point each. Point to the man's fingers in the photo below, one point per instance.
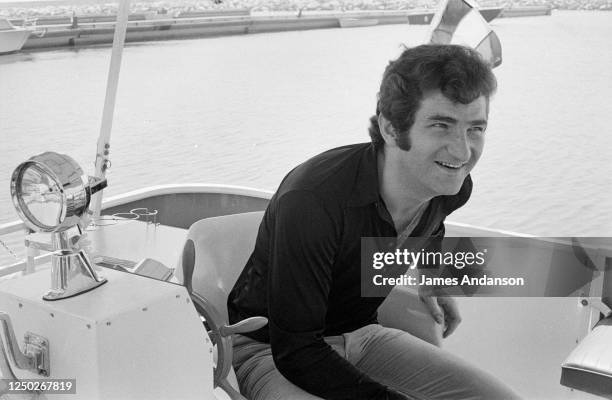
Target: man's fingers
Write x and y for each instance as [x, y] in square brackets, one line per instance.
[434, 309]
[452, 317]
[451, 325]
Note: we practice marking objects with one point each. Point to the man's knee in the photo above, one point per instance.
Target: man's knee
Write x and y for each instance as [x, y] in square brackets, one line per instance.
[259, 379]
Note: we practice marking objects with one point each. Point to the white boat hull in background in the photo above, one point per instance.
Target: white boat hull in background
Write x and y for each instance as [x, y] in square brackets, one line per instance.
[11, 38]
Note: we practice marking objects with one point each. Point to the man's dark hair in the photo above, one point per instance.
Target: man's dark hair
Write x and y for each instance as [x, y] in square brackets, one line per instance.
[458, 72]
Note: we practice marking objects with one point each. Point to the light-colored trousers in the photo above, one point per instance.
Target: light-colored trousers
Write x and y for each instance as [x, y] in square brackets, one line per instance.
[390, 356]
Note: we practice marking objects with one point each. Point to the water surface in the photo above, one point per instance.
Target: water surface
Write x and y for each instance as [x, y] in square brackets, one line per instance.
[245, 109]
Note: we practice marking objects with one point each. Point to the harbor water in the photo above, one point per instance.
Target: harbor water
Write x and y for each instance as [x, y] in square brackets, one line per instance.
[244, 110]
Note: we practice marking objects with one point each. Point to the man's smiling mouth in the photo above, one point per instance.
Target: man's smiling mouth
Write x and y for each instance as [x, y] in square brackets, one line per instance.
[450, 166]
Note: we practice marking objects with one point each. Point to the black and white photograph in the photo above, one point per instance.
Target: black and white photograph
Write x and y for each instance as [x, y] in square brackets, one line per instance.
[305, 199]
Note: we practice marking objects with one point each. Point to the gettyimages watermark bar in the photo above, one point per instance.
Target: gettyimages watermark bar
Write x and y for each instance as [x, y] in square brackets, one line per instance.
[488, 266]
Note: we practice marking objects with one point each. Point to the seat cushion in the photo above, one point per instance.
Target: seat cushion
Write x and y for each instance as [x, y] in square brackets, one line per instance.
[589, 366]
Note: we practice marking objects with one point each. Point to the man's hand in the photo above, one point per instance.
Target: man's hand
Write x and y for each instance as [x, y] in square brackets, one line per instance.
[444, 310]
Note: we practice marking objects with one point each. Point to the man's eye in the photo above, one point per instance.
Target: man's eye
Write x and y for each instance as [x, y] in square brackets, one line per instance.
[440, 125]
[477, 129]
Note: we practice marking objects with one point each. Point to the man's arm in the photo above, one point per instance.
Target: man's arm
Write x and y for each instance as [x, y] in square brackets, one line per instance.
[302, 254]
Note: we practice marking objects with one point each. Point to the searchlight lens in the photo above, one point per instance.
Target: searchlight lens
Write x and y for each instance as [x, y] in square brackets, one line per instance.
[40, 197]
[51, 193]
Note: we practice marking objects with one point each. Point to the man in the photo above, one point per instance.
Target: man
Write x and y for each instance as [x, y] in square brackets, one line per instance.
[323, 340]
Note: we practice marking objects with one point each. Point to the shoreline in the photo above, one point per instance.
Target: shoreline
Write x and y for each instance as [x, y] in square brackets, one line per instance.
[97, 33]
[79, 31]
[41, 8]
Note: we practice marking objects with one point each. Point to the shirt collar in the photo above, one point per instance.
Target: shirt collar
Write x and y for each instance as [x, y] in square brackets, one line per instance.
[365, 190]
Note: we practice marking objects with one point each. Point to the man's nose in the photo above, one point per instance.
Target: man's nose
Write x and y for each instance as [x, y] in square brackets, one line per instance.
[459, 145]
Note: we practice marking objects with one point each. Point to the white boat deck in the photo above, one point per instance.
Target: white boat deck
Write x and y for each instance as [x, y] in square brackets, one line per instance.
[522, 341]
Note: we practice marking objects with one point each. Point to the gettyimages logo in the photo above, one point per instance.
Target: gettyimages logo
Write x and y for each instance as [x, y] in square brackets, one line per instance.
[485, 266]
[412, 259]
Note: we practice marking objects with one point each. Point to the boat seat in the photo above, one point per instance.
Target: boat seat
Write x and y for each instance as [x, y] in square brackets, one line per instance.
[214, 255]
[589, 366]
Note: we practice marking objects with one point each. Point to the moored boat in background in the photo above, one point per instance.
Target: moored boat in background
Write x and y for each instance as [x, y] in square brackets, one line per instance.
[12, 38]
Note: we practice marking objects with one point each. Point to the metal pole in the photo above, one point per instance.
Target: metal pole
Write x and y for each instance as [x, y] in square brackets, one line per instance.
[103, 150]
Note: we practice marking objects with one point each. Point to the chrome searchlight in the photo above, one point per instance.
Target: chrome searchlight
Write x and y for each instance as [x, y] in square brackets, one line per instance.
[51, 194]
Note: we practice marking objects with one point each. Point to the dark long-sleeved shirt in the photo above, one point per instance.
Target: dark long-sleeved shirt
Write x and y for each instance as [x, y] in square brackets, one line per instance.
[304, 273]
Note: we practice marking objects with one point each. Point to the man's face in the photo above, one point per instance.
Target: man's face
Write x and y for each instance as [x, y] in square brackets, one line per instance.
[446, 141]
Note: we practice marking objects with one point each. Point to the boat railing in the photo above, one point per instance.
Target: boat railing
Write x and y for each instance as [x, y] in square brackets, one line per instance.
[33, 256]
[37, 253]
[34, 253]
[12, 227]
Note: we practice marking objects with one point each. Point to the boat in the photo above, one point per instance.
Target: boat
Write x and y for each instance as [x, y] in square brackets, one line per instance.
[132, 327]
[12, 38]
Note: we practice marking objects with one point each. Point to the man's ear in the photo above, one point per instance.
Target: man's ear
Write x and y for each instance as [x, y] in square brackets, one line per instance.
[386, 129]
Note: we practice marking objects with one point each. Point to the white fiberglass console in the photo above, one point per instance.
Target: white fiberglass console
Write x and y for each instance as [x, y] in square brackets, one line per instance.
[132, 338]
